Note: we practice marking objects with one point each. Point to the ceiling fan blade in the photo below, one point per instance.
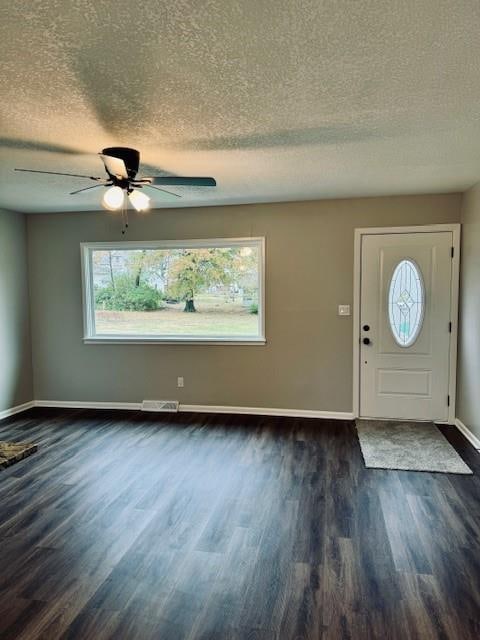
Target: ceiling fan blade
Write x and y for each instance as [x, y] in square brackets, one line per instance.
[101, 184]
[59, 173]
[183, 181]
[114, 166]
[170, 193]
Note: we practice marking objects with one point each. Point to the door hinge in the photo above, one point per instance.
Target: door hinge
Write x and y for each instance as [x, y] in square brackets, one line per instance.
[448, 401]
[452, 251]
[449, 327]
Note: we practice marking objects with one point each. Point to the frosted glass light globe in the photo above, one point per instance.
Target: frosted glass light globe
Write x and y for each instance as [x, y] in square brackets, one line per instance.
[113, 198]
[139, 200]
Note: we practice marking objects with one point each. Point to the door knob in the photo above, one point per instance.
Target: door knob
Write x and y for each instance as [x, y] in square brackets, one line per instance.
[366, 341]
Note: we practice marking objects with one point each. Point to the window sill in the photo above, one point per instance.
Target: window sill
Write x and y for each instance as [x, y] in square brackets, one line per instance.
[176, 340]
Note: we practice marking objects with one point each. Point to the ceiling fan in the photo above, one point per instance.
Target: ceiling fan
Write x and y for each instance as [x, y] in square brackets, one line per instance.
[121, 165]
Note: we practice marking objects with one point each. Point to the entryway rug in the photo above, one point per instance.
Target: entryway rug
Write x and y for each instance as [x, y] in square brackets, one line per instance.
[408, 446]
[11, 452]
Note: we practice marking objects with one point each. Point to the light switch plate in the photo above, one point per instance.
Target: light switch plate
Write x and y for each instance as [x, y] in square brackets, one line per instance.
[343, 309]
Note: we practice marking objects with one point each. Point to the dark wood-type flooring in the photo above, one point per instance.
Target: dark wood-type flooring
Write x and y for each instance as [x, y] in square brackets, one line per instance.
[129, 525]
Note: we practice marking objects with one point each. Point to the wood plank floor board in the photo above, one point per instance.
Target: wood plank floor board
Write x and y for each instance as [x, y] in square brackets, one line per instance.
[129, 525]
[17, 615]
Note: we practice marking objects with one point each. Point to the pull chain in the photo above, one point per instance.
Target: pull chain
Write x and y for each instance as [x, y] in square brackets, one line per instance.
[124, 217]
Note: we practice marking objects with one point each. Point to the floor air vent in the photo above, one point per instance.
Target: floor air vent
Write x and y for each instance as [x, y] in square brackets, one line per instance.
[160, 405]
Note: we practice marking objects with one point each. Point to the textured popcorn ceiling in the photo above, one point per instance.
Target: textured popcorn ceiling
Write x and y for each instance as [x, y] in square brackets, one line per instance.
[278, 99]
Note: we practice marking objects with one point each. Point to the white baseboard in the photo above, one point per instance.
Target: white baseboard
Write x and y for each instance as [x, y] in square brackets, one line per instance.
[267, 411]
[18, 409]
[201, 408]
[72, 404]
[471, 437]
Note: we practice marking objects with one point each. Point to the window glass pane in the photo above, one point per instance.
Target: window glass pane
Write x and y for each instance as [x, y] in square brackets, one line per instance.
[167, 292]
[406, 302]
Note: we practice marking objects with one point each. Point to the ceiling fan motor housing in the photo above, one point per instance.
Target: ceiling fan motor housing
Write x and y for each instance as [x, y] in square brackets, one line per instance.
[131, 158]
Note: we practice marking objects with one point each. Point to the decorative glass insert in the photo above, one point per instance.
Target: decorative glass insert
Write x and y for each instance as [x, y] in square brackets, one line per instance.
[406, 302]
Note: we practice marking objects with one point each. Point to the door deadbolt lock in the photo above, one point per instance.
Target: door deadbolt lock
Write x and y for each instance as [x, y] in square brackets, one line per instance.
[366, 341]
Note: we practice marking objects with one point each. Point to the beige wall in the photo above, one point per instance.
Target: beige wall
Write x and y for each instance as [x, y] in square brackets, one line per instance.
[307, 362]
[15, 353]
[468, 387]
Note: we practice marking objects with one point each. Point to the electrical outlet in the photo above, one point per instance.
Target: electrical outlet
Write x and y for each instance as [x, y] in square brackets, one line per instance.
[343, 309]
[180, 381]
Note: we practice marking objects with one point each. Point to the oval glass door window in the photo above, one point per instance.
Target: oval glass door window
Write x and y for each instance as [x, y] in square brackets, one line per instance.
[406, 302]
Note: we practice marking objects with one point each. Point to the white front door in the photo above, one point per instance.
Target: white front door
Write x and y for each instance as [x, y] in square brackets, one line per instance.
[405, 325]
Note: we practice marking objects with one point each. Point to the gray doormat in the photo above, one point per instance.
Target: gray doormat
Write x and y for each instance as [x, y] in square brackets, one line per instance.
[408, 446]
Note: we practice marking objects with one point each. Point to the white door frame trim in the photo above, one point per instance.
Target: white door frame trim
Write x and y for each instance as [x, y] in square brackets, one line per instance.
[359, 233]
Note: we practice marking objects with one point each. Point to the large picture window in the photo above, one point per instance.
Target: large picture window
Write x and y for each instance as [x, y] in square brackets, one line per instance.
[185, 291]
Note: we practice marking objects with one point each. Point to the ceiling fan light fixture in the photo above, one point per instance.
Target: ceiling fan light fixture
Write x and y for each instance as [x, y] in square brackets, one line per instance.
[113, 198]
[140, 201]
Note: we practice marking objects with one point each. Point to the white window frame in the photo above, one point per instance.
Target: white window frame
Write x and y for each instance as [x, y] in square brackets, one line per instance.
[91, 337]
